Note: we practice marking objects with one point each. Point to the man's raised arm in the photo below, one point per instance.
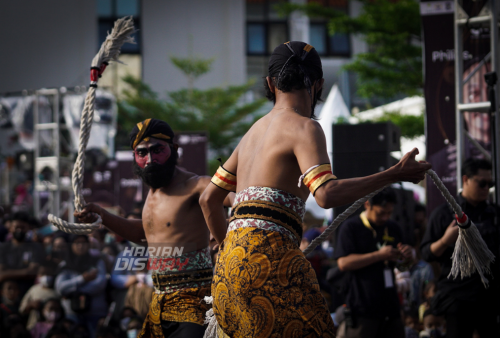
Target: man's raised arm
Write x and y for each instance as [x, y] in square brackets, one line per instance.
[130, 229]
[311, 151]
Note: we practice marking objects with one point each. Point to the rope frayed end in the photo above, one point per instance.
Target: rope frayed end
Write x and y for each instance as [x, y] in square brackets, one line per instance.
[471, 254]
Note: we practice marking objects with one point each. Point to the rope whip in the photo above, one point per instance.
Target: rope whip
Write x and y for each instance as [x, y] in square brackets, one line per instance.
[109, 51]
[471, 253]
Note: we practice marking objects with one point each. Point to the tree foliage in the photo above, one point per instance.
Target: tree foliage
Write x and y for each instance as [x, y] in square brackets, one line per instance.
[218, 111]
[393, 64]
[192, 67]
[411, 126]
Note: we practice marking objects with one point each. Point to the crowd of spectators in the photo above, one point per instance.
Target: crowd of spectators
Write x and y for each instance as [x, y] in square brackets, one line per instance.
[377, 281]
[58, 285]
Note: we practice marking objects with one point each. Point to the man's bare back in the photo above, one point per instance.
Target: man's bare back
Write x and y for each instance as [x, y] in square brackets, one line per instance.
[266, 156]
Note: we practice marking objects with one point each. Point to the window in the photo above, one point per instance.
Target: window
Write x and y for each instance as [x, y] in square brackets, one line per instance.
[265, 28]
[328, 45]
[109, 11]
[325, 44]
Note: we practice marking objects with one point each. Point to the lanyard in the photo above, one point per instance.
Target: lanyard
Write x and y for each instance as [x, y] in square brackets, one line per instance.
[386, 238]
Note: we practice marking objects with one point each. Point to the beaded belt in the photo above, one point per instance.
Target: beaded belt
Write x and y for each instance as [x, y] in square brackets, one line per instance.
[162, 282]
[269, 211]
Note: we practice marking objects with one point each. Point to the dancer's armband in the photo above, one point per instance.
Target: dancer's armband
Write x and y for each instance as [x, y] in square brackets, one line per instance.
[317, 176]
[224, 179]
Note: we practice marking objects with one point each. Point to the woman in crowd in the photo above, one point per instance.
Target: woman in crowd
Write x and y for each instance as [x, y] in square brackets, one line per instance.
[51, 313]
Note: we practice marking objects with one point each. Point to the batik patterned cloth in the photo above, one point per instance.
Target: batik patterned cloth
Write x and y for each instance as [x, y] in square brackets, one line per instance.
[263, 285]
[180, 302]
[270, 195]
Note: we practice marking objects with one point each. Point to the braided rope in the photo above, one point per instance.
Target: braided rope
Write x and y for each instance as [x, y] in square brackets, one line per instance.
[446, 194]
[338, 220]
[109, 51]
[471, 253]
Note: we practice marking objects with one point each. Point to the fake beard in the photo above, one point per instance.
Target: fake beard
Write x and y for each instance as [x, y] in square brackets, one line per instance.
[157, 175]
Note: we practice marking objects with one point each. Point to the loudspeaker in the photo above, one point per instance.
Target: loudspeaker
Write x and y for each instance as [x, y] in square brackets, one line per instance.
[366, 137]
[348, 165]
[363, 149]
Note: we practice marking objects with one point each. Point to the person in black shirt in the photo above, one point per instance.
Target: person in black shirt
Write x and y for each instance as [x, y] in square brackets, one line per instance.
[368, 247]
[465, 302]
[19, 259]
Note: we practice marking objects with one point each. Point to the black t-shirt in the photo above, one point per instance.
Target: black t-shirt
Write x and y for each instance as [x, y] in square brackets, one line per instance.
[16, 257]
[485, 217]
[367, 293]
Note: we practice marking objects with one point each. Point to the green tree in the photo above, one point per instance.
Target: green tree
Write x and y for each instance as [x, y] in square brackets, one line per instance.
[218, 111]
[411, 126]
[393, 64]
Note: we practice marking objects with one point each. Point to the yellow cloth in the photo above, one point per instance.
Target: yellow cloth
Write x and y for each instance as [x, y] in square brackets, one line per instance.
[265, 287]
[181, 306]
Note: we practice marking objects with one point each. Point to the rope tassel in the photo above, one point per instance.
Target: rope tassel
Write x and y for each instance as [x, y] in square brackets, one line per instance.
[109, 51]
[471, 253]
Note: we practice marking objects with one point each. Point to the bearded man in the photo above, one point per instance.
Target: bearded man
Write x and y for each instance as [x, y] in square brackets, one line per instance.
[263, 285]
[175, 230]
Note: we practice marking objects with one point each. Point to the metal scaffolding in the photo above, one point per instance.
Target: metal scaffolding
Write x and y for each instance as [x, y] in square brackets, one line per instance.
[52, 193]
[488, 17]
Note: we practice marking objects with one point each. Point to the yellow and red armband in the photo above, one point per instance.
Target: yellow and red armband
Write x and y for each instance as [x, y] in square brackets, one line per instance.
[224, 179]
[316, 177]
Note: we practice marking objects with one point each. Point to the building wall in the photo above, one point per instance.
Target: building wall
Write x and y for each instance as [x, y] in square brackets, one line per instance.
[200, 28]
[47, 43]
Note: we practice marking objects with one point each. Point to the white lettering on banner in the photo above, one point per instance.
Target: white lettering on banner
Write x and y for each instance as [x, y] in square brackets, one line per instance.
[448, 55]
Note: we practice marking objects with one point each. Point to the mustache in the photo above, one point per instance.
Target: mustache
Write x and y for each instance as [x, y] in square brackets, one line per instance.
[157, 175]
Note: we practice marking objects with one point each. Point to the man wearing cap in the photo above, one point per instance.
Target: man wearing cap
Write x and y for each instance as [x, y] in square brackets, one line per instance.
[263, 285]
[175, 231]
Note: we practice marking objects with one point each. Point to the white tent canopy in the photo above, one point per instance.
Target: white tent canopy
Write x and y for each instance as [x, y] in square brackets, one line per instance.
[335, 108]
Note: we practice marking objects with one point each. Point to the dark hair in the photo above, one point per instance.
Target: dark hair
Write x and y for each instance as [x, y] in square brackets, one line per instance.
[291, 79]
[419, 207]
[58, 301]
[385, 196]
[21, 216]
[471, 166]
[13, 281]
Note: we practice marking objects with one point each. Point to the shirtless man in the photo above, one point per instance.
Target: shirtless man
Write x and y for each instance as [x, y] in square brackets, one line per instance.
[175, 230]
[263, 285]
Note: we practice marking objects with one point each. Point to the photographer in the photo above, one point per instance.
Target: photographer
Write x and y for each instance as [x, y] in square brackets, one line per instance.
[368, 247]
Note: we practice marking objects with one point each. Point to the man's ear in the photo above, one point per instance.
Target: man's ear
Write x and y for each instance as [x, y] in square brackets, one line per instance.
[465, 179]
[270, 83]
[367, 205]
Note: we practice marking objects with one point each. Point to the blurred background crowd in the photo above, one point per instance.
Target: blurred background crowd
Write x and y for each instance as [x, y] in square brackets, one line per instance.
[58, 285]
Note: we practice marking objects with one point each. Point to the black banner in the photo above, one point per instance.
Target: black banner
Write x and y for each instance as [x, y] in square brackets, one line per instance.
[439, 89]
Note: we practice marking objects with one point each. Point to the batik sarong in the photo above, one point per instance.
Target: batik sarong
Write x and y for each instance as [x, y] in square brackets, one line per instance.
[181, 283]
[263, 285]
